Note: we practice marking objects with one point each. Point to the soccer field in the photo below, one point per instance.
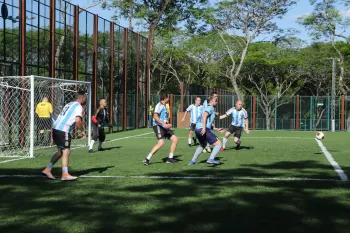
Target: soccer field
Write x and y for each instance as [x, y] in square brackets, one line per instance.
[277, 182]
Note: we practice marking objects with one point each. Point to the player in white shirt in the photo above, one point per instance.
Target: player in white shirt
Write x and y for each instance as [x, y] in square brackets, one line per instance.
[70, 116]
[239, 123]
[195, 110]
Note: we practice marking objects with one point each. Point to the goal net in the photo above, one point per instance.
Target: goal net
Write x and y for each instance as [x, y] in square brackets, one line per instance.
[27, 133]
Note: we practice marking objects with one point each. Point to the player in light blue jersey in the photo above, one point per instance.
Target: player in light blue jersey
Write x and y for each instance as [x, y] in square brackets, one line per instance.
[71, 116]
[196, 111]
[205, 133]
[205, 104]
[162, 129]
[239, 122]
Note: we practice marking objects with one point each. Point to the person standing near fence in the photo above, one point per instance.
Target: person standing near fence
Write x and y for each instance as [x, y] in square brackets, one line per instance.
[150, 115]
[195, 110]
[99, 119]
[239, 123]
[44, 111]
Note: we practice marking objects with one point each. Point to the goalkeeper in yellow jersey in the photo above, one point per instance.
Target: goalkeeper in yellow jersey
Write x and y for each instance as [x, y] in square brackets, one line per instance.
[44, 111]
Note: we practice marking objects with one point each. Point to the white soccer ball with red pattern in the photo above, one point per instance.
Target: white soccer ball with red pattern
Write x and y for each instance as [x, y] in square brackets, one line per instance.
[320, 135]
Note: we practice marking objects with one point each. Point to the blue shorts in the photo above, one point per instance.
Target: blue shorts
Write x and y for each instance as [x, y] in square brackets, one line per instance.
[208, 137]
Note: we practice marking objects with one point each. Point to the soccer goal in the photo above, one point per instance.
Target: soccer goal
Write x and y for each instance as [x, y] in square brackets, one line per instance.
[22, 132]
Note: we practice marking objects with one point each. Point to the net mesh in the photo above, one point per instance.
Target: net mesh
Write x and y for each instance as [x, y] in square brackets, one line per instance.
[15, 113]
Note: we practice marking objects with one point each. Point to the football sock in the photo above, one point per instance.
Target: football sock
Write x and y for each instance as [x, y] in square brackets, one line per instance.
[189, 141]
[224, 142]
[100, 144]
[215, 151]
[197, 153]
[92, 144]
[149, 156]
[171, 155]
[50, 166]
[64, 170]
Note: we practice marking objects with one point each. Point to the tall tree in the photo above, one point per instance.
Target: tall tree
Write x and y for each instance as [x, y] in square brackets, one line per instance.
[327, 21]
[245, 20]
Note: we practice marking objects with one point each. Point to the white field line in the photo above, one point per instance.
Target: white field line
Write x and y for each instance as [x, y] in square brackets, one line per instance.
[254, 137]
[330, 159]
[6, 161]
[78, 147]
[185, 178]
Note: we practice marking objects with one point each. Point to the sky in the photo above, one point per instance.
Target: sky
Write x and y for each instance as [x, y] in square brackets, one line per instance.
[289, 20]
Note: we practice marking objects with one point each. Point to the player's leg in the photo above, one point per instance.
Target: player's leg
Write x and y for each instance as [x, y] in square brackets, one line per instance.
[237, 138]
[53, 161]
[229, 131]
[190, 134]
[94, 137]
[199, 150]
[212, 139]
[174, 141]
[101, 138]
[160, 134]
[65, 159]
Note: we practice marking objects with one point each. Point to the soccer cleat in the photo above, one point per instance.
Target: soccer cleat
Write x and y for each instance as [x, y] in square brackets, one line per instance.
[222, 149]
[100, 149]
[195, 140]
[212, 161]
[91, 151]
[67, 177]
[238, 146]
[170, 161]
[46, 172]
[208, 149]
[204, 150]
[190, 145]
[146, 162]
[192, 163]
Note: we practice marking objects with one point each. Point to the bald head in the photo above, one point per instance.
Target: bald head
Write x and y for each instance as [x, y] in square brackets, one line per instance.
[239, 104]
[45, 99]
[103, 103]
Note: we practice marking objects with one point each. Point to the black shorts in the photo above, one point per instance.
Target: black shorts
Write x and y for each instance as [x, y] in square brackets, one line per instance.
[61, 139]
[192, 127]
[98, 133]
[236, 130]
[44, 123]
[162, 133]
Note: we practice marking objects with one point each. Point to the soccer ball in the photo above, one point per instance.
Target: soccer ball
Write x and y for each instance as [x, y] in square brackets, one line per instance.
[319, 135]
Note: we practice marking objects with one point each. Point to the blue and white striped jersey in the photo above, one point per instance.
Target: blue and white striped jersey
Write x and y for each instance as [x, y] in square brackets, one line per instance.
[66, 120]
[238, 116]
[163, 113]
[205, 103]
[211, 111]
[195, 112]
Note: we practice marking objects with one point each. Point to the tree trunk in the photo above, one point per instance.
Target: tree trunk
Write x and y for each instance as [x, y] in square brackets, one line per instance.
[268, 117]
[131, 15]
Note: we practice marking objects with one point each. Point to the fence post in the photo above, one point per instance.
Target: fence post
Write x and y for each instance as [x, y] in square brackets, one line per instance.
[342, 116]
[254, 113]
[52, 38]
[171, 107]
[148, 83]
[181, 96]
[137, 81]
[95, 58]
[76, 44]
[111, 76]
[297, 113]
[125, 77]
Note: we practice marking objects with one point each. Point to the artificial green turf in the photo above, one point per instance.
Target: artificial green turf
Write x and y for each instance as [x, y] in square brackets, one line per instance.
[188, 205]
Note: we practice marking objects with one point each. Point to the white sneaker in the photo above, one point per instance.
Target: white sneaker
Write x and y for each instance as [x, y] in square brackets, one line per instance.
[68, 177]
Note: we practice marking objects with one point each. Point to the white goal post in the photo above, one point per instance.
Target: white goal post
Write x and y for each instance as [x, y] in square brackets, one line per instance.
[23, 132]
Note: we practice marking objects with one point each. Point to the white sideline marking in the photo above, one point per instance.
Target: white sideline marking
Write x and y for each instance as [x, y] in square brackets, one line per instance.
[330, 159]
[6, 161]
[186, 178]
[257, 137]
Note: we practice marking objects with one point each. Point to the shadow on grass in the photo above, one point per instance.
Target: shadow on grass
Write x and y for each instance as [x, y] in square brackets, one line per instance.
[169, 205]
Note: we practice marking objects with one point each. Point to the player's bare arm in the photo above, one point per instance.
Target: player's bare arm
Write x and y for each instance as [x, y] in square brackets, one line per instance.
[157, 119]
[247, 126]
[223, 116]
[80, 125]
[183, 119]
[204, 120]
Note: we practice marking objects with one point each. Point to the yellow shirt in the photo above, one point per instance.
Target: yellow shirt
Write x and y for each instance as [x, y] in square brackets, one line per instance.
[168, 108]
[150, 110]
[43, 109]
